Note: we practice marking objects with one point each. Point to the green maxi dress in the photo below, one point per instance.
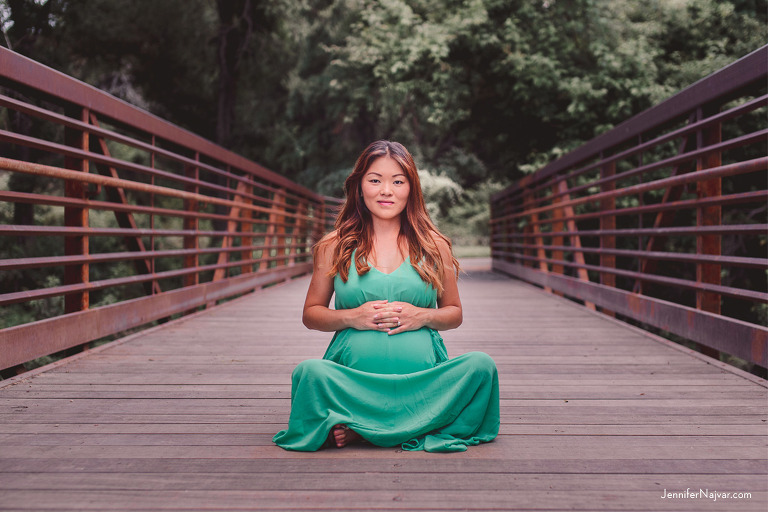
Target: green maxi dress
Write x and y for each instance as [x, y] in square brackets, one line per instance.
[396, 389]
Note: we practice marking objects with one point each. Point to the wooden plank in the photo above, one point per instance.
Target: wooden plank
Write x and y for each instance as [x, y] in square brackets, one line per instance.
[655, 414]
[324, 463]
[394, 499]
[546, 443]
[13, 422]
[304, 480]
[265, 427]
[593, 416]
[261, 447]
[277, 376]
[266, 391]
[639, 404]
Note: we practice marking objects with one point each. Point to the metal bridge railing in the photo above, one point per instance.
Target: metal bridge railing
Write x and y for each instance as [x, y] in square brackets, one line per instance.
[112, 218]
[636, 221]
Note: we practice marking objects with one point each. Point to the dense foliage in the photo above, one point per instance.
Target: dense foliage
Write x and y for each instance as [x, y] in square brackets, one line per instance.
[477, 89]
[481, 91]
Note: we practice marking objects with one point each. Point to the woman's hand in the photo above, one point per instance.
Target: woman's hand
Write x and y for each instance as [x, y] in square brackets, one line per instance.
[363, 317]
[397, 317]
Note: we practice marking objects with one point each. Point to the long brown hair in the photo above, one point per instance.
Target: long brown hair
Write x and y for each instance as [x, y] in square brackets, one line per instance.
[354, 228]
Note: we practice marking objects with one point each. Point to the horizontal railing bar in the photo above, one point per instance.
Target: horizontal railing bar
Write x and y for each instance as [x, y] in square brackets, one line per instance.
[34, 230]
[34, 75]
[108, 134]
[736, 261]
[66, 174]
[749, 71]
[671, 161]
[138, 144]
[653, 278]
[41, 199]
[55, 291]
[684, 131]
[744, 197]
[675, 160]
[725, 229]
[98, 158]
[25, 342]
[754, 165]
[736, 337]
[19, 263]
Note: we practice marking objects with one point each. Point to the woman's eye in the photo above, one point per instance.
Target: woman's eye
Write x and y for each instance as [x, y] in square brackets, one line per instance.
[399, 182]
[373, 180]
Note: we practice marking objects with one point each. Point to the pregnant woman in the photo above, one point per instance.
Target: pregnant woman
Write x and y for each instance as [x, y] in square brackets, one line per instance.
[386, 377]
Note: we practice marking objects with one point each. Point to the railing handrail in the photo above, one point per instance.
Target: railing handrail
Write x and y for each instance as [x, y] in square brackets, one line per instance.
[719, 84]
[32, 74]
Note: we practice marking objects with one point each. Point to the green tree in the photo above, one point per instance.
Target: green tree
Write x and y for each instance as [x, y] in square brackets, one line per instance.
[477, 89]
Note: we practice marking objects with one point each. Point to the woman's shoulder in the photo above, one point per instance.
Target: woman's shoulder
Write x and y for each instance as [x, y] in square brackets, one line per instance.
[440, 241]
[331, 238]
[445, 248]
[323, 250]
[329, 241]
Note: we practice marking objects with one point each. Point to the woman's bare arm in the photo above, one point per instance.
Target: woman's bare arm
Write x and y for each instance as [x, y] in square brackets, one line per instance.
[317, 315]
[448, 314]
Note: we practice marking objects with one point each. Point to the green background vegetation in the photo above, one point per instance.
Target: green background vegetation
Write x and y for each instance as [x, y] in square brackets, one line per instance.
[481, 91]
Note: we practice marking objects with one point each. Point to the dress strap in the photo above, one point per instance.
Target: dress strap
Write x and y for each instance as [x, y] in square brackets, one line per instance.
[441, 353]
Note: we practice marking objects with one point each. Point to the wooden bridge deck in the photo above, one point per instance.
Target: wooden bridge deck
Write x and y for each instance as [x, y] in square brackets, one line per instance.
[595, 416]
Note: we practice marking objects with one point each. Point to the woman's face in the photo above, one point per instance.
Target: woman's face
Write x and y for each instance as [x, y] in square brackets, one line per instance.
[385, 188]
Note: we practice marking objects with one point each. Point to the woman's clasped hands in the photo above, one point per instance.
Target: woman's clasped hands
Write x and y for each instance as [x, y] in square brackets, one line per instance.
[396, 317]
[390, 317]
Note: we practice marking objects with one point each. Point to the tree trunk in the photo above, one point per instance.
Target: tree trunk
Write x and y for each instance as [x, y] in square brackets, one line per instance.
[235, 29]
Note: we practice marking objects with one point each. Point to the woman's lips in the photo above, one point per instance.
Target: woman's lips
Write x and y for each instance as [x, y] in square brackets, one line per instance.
[386, 203]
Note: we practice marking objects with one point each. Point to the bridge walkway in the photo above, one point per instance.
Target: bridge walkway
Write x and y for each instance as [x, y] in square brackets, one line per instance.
[596, 415]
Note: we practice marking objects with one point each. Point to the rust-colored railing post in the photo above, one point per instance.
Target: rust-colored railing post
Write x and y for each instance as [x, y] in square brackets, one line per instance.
[573, 233]
[708, 216]
[270, 238]
[493, 230]
[155, 284]
[558, 226]
[638, 288]
[279, 223]
[500, 231]
[298, 230]
[191, 223]
[321, 219]
[607, 222]
[512, 228]
[541, 254]
[246, 226]
[528, 230]
[76, 217]
[235, 213]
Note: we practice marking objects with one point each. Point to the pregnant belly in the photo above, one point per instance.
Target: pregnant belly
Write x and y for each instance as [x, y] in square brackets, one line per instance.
[378, 352]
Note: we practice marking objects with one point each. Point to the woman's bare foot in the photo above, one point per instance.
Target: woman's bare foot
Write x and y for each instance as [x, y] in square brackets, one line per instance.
[342, 435]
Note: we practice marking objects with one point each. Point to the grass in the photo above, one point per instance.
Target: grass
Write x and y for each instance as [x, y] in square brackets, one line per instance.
[472, 251]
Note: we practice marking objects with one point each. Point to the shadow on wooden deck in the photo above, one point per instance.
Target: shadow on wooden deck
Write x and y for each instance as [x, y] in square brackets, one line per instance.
[595, 416]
